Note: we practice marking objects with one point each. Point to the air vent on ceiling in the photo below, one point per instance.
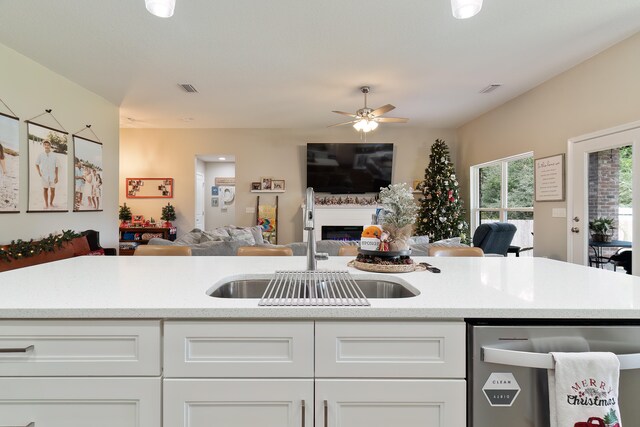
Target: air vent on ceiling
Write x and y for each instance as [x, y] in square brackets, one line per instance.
[489, 88]
[188, 87]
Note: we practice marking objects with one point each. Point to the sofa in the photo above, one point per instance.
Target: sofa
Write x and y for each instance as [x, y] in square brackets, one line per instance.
[225, 241]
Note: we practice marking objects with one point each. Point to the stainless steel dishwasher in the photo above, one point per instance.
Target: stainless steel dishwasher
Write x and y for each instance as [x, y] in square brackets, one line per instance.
[507, 368]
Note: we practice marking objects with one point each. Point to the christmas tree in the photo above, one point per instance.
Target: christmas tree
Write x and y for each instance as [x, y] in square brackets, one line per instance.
[441, 215]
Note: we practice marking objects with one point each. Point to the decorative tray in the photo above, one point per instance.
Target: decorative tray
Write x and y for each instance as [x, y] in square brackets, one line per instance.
[386, 268]
[385, 254]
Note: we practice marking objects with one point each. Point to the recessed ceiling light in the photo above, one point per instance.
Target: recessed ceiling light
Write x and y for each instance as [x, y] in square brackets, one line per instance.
[222, 158]
[188, 119]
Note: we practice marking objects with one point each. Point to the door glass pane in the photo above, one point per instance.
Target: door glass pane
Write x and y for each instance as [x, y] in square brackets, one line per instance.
[490, 179]
[520, 183]
[610, 202]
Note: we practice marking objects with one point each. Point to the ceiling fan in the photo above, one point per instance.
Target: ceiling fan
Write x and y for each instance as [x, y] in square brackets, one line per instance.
[367, 119]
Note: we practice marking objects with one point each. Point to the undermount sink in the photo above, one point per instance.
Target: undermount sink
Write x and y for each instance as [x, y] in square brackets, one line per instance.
[255, 288]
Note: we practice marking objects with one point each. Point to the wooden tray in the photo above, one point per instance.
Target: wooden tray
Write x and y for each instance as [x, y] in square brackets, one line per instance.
[386, 268]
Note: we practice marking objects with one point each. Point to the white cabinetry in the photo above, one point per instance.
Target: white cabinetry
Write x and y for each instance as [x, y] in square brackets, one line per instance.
[238, 402]
[77, 373]
[376, 373]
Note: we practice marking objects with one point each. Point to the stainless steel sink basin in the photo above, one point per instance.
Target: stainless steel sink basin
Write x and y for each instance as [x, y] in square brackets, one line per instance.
[254, 288]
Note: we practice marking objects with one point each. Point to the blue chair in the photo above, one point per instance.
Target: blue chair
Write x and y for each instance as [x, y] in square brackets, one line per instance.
[494, 237]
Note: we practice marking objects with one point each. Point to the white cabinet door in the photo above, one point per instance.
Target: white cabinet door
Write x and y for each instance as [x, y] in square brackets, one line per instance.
[238, 403]
[385, 403]
[80, 402]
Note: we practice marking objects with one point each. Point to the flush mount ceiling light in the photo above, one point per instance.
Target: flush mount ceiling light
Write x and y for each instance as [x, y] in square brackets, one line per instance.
[161, 8]
[463, 9]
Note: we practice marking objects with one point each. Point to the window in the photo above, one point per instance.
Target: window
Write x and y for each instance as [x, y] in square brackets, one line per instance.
[502, 191]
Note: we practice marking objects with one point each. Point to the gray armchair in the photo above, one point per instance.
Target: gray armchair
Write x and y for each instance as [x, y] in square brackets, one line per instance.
[494, 237]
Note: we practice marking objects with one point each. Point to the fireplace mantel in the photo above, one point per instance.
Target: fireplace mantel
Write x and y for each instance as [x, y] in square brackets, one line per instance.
[340, 215]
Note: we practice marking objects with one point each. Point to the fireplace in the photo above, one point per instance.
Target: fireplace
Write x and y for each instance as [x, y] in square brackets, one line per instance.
[341, 232]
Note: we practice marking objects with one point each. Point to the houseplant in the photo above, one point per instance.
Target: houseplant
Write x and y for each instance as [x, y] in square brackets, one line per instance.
[601, 229]
[399, 214]
[124, 215]
[168, 215]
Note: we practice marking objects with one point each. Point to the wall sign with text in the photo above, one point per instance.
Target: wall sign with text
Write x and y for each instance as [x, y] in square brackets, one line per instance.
[549, 178]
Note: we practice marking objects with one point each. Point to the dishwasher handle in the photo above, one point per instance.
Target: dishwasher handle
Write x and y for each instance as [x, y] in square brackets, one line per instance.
[528, 359]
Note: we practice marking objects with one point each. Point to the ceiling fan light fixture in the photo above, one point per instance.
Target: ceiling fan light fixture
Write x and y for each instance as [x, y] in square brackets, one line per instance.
[365, 125]
[463, 9]
[161, 8]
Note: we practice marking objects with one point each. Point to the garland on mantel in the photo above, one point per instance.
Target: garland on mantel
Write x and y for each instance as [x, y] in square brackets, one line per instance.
[19, 249]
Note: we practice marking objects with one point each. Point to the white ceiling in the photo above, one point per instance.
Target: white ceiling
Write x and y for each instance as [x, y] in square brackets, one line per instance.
[288, 63]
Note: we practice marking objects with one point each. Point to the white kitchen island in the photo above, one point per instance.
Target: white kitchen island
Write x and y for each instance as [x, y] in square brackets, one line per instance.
[136, 341]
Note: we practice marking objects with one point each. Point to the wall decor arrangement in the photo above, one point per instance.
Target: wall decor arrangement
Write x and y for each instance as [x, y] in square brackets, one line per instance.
[149, 188]
[87, 174]
[47, 148]
[267, 184]
[9, 163]
[549, 179]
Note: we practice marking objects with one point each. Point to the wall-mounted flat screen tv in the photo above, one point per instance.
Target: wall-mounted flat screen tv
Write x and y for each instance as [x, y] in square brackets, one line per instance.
[349, 168]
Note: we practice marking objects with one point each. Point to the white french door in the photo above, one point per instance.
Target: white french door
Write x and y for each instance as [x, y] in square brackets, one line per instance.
[578, 189]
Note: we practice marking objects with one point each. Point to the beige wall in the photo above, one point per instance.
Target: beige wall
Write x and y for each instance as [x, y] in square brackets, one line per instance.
[599, 93]
[277, 153]
[29, 88]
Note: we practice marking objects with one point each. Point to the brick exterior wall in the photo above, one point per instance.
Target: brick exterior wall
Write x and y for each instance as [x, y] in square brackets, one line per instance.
[604, 187]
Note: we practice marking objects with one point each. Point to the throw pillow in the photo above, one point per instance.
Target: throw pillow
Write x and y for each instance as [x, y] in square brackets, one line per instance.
[216, 235]
[190, 238]
[243, 235]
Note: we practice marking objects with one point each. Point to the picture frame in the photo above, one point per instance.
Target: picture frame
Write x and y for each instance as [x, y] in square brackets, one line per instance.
[417, 183]
[256, 186]
[149, 188]
[10, 157]
[215, 202]
[88, 175]
[549, 178]
[47, 172]
[277, 184]
[265, 183]
[214, 190]
[137, 219]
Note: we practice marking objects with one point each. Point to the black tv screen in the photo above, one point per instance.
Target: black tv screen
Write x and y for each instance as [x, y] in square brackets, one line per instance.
[349, 168]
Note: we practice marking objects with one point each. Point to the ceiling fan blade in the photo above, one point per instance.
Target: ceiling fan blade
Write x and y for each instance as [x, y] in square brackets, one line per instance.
[391, 120]
[381, 110]
[342, 124]
[345, 114]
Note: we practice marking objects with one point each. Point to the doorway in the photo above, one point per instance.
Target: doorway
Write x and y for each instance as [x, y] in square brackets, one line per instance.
[216, 198]
[603, 188]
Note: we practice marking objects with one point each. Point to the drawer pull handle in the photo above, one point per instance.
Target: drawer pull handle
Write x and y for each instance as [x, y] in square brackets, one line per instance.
[326, 414]
[303, 413]
[31, 424]
[18, 350]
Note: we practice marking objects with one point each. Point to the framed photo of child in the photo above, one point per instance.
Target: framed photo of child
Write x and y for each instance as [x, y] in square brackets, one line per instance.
[87, 175]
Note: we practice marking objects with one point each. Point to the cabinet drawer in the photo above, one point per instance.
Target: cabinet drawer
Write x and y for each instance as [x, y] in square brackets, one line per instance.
[238, 349]
[95, 402]
[390, 349]
[79, 348]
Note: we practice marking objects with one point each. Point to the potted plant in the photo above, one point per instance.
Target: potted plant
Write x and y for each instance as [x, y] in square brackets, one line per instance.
[601, 229]
[399, 215]
[168, 215]
[124, 215]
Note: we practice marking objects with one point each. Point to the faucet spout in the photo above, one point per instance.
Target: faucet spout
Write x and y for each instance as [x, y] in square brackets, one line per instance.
[309, 225]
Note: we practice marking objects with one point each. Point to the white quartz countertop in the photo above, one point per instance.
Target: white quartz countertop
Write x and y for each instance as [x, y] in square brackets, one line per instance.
[175, 287]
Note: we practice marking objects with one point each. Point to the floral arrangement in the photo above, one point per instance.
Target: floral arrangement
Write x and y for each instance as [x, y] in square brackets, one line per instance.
[19, 249]
[399, 206]
[400, 212]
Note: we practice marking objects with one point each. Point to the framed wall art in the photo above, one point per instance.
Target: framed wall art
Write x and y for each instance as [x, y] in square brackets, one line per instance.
[47, 168]
[149, 188]
[88, 175]
[549, 179]
[9, 164]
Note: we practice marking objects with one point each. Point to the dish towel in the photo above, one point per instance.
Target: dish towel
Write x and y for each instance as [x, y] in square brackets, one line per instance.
[583, 390]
